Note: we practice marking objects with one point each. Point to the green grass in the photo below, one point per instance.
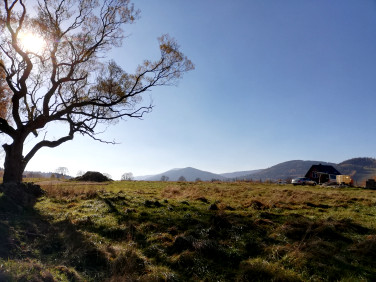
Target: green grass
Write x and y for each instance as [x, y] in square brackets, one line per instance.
[171, 231]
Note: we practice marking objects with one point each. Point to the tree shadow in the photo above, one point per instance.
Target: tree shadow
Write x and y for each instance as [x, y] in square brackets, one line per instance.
[29, 239]
[197, 238]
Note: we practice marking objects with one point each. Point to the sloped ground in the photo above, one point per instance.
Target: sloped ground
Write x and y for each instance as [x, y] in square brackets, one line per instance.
[145, 231]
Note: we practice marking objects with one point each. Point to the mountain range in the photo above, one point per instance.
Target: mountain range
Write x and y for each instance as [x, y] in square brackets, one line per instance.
[360, 169]
[189, 173]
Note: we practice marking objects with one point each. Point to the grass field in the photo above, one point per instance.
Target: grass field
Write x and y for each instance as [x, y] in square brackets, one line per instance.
[181, 231]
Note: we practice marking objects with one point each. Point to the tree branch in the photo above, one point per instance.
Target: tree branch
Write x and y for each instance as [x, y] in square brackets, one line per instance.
[50, 144]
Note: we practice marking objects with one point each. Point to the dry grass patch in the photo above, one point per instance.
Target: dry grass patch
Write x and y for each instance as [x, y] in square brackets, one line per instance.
[69, 190]
[243, 194]
[261, 270]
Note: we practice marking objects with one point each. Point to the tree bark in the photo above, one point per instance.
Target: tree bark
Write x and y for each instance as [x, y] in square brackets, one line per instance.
[14, 164]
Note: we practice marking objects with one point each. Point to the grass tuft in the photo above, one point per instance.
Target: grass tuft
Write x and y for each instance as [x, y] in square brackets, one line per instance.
[261, 270]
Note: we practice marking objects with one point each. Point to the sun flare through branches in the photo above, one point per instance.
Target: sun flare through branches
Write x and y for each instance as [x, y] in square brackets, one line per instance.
[32, 42]
[54, 63]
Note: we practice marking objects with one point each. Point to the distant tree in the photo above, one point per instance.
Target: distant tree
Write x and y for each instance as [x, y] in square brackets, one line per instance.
[164, 178]
[182, 179]
[67, 82]
[198, 179]
[80, 173]
[62, 170]
[34, 174]
[128, 176]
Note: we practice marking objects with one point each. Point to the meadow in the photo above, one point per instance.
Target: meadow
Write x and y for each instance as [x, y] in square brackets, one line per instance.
[189, 231]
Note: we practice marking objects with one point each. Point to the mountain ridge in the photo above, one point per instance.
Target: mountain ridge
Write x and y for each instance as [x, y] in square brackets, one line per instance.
[360, 169]
[189, 173]
[239, 173]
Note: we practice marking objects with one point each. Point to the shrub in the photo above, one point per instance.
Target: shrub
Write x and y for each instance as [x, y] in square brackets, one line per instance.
[93, 176]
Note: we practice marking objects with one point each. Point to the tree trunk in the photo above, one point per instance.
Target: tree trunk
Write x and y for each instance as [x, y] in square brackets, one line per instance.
[14, 164]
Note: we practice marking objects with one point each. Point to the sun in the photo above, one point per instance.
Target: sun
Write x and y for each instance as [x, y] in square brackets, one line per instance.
[32, 42]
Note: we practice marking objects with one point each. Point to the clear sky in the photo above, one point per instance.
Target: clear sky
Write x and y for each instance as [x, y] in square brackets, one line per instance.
[274, 81]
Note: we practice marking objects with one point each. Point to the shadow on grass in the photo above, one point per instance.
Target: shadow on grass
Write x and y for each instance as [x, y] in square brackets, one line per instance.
[194, 243]
[29, 239]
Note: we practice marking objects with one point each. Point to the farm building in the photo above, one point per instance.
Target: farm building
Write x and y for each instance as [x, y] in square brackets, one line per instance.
[371, 184]
[322, 173]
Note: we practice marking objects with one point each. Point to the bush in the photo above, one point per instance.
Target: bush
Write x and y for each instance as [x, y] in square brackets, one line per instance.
[93, 176]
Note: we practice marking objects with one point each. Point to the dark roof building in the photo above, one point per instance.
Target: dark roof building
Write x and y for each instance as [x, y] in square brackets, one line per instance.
[322, 173]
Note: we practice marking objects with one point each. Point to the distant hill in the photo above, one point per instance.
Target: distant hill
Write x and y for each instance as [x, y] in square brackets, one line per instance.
[240, 173]
[189, 173]
[39, 174]
[360, 169]
[285, 170]
[142, 177]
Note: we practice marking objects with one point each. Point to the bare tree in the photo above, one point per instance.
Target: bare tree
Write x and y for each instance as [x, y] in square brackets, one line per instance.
[68, 82]
[182, 179]
[128, 176]
[62, 171]
[164, 178]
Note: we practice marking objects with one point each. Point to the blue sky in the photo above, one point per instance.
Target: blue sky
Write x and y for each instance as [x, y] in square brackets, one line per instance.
[274, 81]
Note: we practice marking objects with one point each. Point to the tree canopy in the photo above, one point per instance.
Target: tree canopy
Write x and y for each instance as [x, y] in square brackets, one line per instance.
[66, 77]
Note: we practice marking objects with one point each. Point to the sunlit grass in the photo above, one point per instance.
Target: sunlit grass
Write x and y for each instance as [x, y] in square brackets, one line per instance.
[179, 231]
